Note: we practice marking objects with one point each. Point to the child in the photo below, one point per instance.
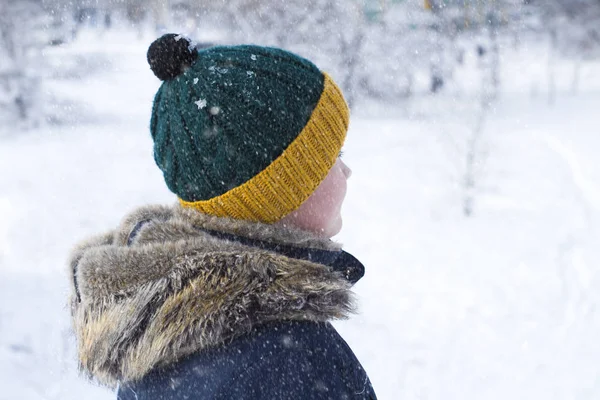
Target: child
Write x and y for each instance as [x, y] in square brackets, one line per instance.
[228, 294]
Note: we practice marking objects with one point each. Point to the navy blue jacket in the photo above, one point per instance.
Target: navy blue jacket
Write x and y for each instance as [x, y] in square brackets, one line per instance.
[279, 360]
[212, 315]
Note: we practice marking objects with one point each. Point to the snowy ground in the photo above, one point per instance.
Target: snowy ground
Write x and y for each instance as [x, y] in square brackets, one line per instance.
[501, 305]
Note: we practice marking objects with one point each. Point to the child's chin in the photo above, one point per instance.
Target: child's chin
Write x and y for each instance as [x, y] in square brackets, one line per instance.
[334, 228]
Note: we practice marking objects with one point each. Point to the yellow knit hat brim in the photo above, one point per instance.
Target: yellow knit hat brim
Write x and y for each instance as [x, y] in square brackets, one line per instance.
[293, 176]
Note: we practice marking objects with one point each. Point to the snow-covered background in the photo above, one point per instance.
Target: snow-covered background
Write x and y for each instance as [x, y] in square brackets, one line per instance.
[501, 304]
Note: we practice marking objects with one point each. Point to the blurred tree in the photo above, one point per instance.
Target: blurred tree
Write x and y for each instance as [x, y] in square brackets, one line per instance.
[573, 27]
[23, 35]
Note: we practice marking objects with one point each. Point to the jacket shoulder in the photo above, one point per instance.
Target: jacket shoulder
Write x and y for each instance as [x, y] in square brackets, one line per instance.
[280, 360]
[309, 361]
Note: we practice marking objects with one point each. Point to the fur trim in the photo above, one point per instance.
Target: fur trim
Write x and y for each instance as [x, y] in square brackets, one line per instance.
[176, 290]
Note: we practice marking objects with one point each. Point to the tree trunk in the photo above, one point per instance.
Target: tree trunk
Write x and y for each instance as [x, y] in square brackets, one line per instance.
[551, 66]
[576, 76]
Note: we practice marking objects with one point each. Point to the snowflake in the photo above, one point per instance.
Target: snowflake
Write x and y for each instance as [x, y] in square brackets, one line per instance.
[213, 68]
[253, 57]
[200, 103]
[195, 80]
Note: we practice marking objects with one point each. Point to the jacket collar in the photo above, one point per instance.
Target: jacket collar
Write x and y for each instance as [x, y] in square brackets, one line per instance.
[169, 282]
[340, 261]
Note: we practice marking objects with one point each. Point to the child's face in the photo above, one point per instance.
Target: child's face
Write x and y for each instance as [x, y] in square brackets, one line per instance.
[321, 213]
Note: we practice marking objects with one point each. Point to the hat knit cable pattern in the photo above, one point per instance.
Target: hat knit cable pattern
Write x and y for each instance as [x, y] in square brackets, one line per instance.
[246, 132]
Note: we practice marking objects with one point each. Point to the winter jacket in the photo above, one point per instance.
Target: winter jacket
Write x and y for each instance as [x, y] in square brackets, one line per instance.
[175, 304]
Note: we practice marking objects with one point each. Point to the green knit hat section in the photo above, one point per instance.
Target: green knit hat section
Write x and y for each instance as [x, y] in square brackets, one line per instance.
[229, 115]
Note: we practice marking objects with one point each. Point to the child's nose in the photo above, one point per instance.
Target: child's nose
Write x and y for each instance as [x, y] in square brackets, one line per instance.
[346, 170]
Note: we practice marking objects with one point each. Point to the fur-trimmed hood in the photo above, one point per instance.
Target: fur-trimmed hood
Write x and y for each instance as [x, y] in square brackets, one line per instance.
[163, 285]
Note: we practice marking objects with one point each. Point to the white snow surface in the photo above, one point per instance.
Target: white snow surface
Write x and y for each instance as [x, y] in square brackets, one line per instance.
[500, 305]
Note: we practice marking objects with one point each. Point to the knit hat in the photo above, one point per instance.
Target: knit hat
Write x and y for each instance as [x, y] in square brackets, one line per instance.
[246, 132]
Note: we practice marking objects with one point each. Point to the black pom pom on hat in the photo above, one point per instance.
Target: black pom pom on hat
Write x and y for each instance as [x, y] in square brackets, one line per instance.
[170, 55]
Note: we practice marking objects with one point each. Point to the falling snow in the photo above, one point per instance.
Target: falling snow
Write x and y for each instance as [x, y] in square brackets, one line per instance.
[200, 103]
[499, 305]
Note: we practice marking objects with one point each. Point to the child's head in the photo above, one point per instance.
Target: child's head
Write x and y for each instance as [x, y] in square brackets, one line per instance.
[249, 132]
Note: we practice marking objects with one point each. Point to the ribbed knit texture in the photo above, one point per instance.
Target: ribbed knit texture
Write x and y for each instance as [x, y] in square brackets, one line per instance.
[290, 179]
[229, 116]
